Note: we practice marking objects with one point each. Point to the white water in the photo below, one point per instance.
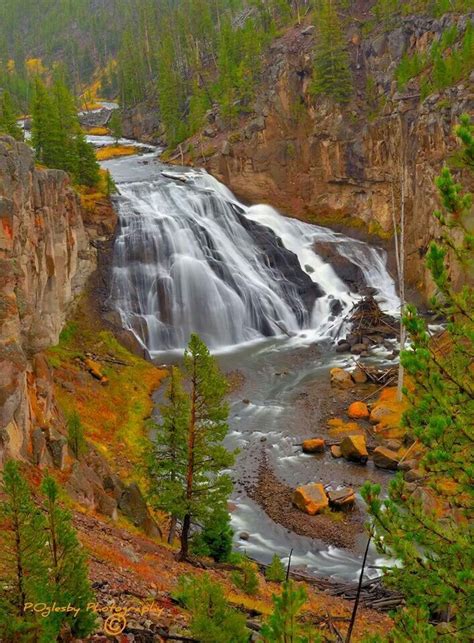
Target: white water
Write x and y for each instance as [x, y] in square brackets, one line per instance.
[186, 261]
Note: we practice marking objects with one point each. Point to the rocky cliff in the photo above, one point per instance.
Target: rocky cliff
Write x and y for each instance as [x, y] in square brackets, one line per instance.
[45, 261]
[343, 166]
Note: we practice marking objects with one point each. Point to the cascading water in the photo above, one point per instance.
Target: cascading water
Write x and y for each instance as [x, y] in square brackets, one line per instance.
[190, 258]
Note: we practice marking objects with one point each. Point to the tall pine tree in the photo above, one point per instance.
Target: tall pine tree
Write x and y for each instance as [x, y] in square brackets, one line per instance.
[207, 488]
[168, 456]
[8, 117]
[23, 572]
[429, 530]
[68, 581]
[332, 74]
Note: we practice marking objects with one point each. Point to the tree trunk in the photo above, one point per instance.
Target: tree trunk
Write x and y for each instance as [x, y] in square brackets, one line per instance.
[183, 554]
[172, 531]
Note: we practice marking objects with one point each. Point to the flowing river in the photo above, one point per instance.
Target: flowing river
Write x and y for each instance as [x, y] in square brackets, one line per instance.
[189, 257]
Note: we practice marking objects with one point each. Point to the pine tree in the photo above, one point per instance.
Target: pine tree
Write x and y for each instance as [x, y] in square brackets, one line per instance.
[283, 626]
[75, 434]
[22, 546]
[167, 459]
[245, 577]
[332, 74]
[45, 128]
[88, 168]
[212, 620]
[428, 530]
[115, 125]
[206, 487]
[275, 571]
[68, 581]
[215, 539]
[8, 117]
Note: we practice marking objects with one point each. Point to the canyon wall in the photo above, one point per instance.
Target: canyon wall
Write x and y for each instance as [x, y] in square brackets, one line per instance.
[343, 166]
[45, 261]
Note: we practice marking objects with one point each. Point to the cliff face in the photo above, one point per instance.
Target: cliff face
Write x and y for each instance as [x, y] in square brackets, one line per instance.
[45, 260]
[343, 166]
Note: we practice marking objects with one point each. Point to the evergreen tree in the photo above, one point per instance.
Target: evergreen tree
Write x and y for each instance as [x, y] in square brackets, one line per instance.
[115, 125]
[246, 578]
[167, 459]
[283, 626]
[8, 117]
[68, 581]
[215, 540]
[88, 168]
[22, 546]
[206, 488]
[75, 434]
[275, 571]
[212, 620]
[429, 531]
[45, 128]
[332, 74]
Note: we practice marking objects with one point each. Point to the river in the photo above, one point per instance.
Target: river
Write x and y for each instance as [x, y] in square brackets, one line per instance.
[189, 257]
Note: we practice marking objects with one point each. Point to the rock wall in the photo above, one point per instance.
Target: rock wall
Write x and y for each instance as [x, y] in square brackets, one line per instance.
[45, 260]
[343, 166]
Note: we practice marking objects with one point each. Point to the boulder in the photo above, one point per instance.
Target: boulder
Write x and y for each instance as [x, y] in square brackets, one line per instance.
[95, 370]
[345, 347]
[315, 445]
[311, 498]
[358, 349]
[336, 451]
[414, 475]
[359, 376]
[58, 448]
[105, 504]
[386, 458]
[342, 499]
[394, 445]
[354, 448]
[38, 442]
[379, 413]
[244, 535]
[358, 411]
[341, 378]
[406, 465]
[133, 505]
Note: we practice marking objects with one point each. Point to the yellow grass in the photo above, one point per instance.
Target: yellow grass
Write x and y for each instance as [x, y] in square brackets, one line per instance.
[114, 151]
[97, 131]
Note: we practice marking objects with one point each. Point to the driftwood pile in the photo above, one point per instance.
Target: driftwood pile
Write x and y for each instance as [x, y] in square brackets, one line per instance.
[370, 327]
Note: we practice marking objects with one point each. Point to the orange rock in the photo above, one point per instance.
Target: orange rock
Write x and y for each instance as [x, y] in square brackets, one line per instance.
[386, 458]
[94, 369]
[354, 448]
[358, 411]
[336, 451]
[311, 498]
[315, 445]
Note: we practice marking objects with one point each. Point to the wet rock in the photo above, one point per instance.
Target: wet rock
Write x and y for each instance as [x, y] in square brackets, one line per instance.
[358, 411]
[341, 378]
[385, 458]
[336, 451]
[359, 376]
[244, 535]
[345, 347]
[348, 272]
[354, 448]
[315, 445]
[342, 499]
[311, 498]
[246, 401]
[358, 349]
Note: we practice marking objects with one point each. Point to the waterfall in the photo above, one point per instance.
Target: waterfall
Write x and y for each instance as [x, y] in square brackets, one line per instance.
[189, 257]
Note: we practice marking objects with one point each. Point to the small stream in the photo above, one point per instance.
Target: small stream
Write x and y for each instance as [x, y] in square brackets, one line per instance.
[189, 257]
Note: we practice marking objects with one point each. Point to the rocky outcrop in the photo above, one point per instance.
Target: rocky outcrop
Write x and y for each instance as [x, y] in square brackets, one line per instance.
[143, 123]
[45, 261]
[340, 166]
